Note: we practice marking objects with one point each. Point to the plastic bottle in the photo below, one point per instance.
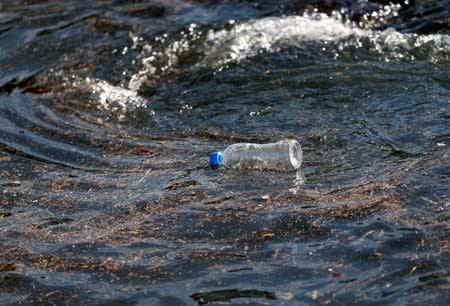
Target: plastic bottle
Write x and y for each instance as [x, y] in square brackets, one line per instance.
[284, 155]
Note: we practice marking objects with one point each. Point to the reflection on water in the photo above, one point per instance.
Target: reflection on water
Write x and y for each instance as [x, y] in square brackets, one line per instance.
[108, 113]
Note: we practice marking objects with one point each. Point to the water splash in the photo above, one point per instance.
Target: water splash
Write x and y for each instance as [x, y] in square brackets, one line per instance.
[116, 101]
[156, 61]
[115, 98]
[195, 48]
[380, 16]
[249, 39]
[237, 41]
[391, 45]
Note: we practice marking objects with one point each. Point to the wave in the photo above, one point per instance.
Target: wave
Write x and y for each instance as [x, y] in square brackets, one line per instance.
[195, 48]
[238, 41]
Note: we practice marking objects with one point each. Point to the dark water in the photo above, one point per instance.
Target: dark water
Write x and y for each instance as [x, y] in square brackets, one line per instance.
[108, 110]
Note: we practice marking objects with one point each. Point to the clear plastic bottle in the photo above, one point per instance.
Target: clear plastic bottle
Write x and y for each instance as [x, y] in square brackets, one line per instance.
[284, 155]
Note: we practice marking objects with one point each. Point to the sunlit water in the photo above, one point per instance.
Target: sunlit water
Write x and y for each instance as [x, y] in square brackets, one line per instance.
[108, 113]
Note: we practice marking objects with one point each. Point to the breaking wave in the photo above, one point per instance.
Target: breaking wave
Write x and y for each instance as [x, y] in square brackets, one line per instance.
[216, 49]
[239, 41]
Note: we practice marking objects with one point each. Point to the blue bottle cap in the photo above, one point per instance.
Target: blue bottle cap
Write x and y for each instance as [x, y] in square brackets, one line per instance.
[215, 159]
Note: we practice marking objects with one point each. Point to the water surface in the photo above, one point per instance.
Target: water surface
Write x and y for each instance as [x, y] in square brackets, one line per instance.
[108, 112]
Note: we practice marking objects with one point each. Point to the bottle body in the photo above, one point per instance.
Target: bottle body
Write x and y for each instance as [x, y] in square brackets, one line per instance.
[284, 155]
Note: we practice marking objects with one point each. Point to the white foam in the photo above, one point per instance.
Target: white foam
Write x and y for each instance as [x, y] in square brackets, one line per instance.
[242, 40]
[393, 45]
[268, 34]
[238, 41]
[154, 62]
[115, 99]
